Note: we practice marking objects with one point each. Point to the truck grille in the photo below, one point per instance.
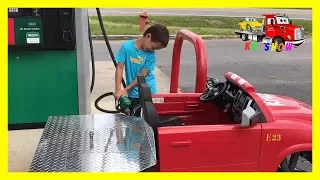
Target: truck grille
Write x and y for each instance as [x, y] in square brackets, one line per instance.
[299, 34]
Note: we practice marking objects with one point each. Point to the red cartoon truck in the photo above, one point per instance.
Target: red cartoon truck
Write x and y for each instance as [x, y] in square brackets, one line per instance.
[276, 28]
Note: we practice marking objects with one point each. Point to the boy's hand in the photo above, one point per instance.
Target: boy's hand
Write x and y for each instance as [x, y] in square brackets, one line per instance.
[124, 92]
[117, 94]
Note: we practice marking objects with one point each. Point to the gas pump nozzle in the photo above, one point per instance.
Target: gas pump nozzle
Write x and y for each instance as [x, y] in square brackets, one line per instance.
[123, 105]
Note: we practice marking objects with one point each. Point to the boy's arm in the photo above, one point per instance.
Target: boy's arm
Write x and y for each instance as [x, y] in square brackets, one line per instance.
[118, 77]
[135, 82]
[148, 66]
[120, 59]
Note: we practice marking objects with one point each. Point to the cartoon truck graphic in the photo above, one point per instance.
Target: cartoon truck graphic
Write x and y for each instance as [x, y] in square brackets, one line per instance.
[276, 29]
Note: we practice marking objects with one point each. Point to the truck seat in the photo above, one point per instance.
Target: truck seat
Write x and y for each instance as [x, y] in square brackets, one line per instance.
[149, 112]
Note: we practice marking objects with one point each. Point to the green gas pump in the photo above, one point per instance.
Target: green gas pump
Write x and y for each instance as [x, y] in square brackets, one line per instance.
[48, 65]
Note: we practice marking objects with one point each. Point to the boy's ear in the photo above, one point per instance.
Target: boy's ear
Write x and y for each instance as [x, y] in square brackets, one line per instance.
[148, 36]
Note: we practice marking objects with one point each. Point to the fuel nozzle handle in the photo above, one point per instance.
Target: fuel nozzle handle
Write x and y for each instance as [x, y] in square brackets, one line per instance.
[123, 105]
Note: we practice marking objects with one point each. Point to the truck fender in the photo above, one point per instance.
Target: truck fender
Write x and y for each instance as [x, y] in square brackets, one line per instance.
[292, 149]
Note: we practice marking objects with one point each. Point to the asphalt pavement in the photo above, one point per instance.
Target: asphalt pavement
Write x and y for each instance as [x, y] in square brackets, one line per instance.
[285, 73]
[231, 12]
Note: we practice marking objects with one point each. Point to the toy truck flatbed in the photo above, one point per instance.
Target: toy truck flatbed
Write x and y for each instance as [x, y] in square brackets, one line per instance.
[247, 35]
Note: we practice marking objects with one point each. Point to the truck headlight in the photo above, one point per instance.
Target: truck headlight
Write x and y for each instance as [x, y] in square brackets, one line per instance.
[297, 32]
[289, 37]
[302, 28]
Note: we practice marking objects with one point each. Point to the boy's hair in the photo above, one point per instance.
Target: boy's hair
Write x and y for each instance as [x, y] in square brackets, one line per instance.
[159, 33]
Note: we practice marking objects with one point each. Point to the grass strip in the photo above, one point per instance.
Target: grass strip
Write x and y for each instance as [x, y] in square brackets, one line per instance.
[202, 25]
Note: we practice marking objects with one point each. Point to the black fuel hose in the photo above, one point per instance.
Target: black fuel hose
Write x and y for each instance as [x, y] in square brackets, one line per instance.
[93, 65]
[107, 42]
[99, 99]
[92, 58]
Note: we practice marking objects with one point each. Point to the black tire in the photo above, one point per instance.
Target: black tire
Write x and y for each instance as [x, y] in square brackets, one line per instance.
[243, 37]
[278, 41]
[302, 164]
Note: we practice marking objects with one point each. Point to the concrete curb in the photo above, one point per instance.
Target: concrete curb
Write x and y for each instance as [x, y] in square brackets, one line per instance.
[126, 37]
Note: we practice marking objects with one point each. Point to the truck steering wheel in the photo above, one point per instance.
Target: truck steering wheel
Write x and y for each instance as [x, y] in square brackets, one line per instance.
[213, 93]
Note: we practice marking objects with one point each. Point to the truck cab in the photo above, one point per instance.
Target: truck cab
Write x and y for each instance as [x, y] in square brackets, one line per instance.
[279, 29]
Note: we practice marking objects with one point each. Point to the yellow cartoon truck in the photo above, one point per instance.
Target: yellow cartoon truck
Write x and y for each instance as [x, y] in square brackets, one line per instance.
[250, 24]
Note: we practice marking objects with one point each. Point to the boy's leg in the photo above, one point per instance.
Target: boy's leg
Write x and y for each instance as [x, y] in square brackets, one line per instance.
[133, 108]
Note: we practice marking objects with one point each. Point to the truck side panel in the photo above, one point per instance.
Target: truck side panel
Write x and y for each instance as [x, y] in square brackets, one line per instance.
[279, 139]
[209, 148]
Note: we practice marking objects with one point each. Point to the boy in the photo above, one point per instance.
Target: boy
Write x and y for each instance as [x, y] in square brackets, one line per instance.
[139, 56]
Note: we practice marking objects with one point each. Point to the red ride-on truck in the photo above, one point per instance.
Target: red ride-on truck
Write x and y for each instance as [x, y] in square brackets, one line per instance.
[276, 28]
[225, 127]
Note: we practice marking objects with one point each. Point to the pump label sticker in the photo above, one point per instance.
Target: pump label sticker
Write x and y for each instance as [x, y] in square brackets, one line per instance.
[33, 37]
[28, 31]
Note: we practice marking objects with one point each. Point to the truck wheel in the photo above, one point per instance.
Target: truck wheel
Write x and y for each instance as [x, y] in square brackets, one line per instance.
[278, 41]
[249, 28]
[244, 37]
[296, 162]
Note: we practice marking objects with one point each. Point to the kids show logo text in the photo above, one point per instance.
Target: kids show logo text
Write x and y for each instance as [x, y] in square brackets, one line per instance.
[269, 46]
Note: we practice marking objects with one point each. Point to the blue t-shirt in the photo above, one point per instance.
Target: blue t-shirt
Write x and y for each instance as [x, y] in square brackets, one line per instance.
[135, 60]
